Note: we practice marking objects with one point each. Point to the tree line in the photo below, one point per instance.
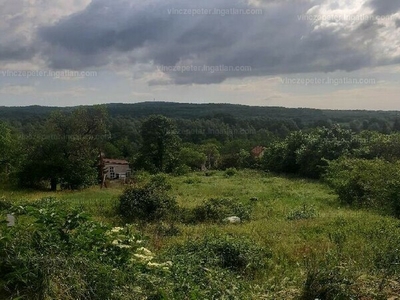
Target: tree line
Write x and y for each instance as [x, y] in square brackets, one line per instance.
[63, 148]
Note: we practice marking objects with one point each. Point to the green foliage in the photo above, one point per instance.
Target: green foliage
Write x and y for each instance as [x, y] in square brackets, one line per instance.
[215, 267]
[308, 153]
[192, 180]
[366, 183]
[147, 203]
[230, 172]
[211, 151]
[181, 170]
[328, 281]
[66, 150]
[217, 209]
[65, 255]
[160, 143]
[303, 213]
[192, 158]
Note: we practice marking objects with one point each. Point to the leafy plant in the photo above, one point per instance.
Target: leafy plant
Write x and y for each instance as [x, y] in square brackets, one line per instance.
[230, 172]
[65, 255]
[216, 209]
[147, 203]
[366, 183]
[215, 267]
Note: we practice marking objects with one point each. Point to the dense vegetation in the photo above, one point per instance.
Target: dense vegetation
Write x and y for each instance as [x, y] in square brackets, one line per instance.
[203, 216]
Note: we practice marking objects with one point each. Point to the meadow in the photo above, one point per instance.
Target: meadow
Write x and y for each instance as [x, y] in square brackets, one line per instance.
[316, 246]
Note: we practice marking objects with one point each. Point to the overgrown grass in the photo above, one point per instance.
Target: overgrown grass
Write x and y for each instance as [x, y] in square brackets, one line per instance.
[350, 238]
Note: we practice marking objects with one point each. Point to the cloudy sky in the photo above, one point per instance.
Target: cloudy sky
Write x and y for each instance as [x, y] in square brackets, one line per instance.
[294, 53]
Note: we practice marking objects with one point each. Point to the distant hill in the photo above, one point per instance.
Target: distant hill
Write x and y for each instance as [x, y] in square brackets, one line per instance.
[195, 111]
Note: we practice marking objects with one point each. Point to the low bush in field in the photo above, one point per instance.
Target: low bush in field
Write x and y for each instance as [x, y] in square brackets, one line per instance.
[215, 267]
[366, 183]
[63, 254]
[230, 172]
[147, 203]
[215, 210]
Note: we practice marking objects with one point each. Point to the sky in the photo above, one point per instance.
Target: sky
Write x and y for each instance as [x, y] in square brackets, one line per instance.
[292, 53]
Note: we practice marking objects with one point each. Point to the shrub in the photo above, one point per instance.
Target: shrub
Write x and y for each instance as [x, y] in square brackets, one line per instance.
[148, 203]
[145, 204]
[4, 204]
[159, 183]
[209, 173]
[366, 183]
[214, 267]
[303, 213]
[215, 210]
[65, 255]
[181, 170]
[230, 172]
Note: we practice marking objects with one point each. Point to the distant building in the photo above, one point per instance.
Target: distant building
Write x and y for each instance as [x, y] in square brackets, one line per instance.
[258, 152]
[116, 168]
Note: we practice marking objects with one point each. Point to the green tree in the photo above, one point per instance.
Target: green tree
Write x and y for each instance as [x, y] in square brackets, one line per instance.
[66, 150]
[191, 158]
[160, 144]
[211, 150]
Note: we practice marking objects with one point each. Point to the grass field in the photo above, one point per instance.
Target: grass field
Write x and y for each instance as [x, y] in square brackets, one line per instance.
[301, 222]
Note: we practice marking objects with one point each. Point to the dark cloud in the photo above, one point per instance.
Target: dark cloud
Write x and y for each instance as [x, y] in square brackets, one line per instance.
[397, 23]
[274, 42]
[16, 53]
[385, 7]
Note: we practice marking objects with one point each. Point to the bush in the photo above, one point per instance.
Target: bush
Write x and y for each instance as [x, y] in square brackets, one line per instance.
[236, 254]
[65, 255]
[366, 183]
[145, 204]
[215, 210]
[230, 172]
[148, 203]
[181, 170]
[159, 183]
[209, 173]
[215, 267]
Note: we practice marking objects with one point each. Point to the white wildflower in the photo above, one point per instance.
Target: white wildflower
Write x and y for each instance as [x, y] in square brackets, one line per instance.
[116, 229]
[143, 257]
[124, 246]
[144, 251]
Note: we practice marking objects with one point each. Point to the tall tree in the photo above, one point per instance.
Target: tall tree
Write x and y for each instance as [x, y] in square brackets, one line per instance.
[160, 144]
[66, 150]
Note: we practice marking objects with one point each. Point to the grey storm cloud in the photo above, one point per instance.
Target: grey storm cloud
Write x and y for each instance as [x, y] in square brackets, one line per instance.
[277, 41]
[385, 7]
